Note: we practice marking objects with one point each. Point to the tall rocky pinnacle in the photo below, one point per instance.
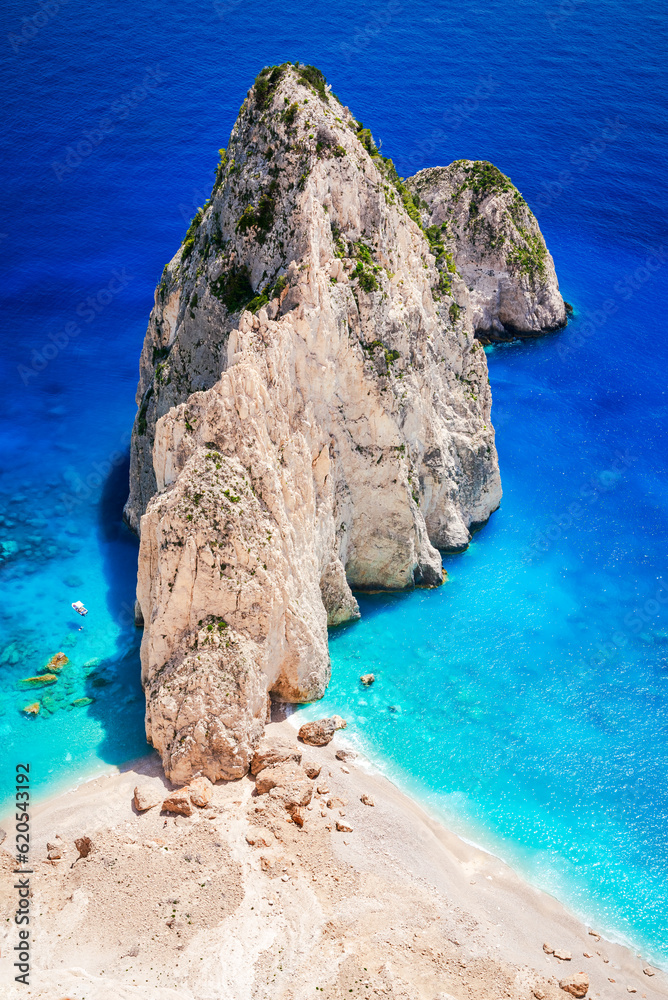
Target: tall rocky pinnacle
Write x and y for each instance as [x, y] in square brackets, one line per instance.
[313, 415]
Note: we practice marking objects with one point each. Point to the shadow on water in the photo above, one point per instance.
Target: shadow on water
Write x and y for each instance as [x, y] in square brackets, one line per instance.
[120, 547]
[115, 682]
[118, 705]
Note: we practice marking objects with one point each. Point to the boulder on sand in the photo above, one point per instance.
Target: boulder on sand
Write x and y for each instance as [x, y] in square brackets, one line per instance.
[178, 801]
[201, 792]
[84, 846]
[273, 751]
[287, 783]
[146, 797]
[320, 733]
[576, 985]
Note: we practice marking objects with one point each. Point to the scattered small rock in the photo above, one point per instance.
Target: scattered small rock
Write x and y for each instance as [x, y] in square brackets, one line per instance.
[84, 846]
[297, 816]
[54, 851]
[259, 837]
[539, 993]
[146, 797]
[631, 989]
[320, 733]
[366, 800]
[563, 956]
[201, 792]
[586, 954]
[3, 834]
[312, 769]
[178, 802]
[646, 970]
[576, 985]
[345, 755]
[595, 935]
[548, 949]
[336, 803]
[322, 789]
[367, 679]
[343, 827]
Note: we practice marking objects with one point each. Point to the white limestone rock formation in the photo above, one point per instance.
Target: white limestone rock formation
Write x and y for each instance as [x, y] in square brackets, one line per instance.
[313, 415]
[491, 237]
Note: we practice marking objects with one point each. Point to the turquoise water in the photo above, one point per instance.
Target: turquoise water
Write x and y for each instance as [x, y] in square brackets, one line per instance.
[530, 691]
[526, 701]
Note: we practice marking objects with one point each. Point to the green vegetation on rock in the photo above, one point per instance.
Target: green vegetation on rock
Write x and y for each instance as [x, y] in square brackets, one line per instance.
[233, 289]
[530, 259]
[483, 179]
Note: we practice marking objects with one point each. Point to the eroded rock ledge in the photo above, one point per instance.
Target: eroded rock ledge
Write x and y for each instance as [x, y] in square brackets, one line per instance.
[313, 415]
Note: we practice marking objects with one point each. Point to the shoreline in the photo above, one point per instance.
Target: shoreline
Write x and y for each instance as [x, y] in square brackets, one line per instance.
[441, 821]
[482, 912]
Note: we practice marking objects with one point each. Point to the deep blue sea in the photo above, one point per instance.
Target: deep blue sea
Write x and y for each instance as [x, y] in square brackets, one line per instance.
[526, 701]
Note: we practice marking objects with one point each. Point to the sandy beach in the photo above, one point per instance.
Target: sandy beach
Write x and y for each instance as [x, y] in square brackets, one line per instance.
[237, 901]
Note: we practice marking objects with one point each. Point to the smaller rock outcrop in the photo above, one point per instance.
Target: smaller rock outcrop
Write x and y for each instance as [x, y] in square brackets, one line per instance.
[56, 663]
[367, 679]
[576, 986]
[476, 218]
[366, 800]
[41, 680]
[320, 733]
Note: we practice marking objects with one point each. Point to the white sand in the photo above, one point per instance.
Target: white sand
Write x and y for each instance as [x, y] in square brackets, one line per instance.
[397, 908]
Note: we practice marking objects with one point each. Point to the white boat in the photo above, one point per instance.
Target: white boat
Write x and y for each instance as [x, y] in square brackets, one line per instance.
[79, 608]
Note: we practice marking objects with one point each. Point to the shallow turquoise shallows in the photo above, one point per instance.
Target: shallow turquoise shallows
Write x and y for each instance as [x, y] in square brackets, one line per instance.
[526, 700]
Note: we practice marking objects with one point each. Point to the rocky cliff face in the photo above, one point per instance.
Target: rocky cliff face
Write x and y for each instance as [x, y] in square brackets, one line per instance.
[494, 240]
[313, 415]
